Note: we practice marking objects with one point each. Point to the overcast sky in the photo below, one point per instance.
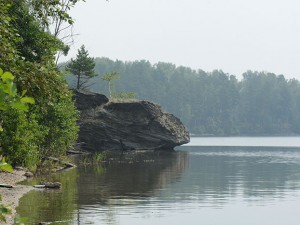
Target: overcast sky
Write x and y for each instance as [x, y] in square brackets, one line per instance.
[232, 35]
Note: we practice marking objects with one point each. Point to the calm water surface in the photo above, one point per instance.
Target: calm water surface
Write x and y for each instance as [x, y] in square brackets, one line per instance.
[246, 141]
[196, 185]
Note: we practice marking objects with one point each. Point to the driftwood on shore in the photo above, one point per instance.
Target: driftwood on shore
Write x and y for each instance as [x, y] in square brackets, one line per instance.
[54, 185]
[66, 164]
[6, 186]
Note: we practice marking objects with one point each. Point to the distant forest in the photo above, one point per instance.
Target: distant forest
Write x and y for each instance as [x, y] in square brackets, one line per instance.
[210, 103]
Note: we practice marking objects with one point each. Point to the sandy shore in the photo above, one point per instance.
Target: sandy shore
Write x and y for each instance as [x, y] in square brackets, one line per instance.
[11, 196]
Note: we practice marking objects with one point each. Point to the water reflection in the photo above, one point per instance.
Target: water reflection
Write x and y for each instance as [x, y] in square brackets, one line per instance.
[138, 178]
[178, 185]
[95, 186]
[51, 205]
[246, 172]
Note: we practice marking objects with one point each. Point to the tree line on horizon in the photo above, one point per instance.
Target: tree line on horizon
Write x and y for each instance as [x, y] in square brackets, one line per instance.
[210, 103]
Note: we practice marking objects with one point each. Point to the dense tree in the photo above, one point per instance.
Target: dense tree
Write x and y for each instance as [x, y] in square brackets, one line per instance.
[82, 67]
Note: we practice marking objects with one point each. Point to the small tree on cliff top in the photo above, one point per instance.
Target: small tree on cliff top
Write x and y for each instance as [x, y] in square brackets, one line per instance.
[82, 67]
[109, 77]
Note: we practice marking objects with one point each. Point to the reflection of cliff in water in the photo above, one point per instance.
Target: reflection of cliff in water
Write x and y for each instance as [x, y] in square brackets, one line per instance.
[136, 178]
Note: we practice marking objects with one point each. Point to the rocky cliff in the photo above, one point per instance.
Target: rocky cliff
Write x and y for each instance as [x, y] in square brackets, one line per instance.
[135, 125]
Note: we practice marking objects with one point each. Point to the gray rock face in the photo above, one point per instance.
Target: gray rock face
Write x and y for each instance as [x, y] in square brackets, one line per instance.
[85, 100]
[140, 125]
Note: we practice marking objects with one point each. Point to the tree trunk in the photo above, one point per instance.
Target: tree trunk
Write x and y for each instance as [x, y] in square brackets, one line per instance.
[109, 89]
[78, 81]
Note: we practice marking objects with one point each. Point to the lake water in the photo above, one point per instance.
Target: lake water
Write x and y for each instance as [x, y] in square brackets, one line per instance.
[246, 141]
[226, 181]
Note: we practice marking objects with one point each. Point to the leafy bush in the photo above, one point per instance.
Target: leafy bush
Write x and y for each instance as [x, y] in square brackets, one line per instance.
[48, 128]
[21, 138]
[16, 126]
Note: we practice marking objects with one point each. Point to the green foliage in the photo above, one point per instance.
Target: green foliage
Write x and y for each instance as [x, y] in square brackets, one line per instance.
[34, 44]
[4, 166]
[82, 67]
[114, 76]
[28, 50]
[22, 138]
[61, 119]
[8, 35]
[48, 12]
[9, 97]
[13, 106]
[54, 110]
[99, 157]
[109, 77]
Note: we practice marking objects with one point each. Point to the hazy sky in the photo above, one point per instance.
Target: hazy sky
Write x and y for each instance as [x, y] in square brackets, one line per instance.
[232, 35]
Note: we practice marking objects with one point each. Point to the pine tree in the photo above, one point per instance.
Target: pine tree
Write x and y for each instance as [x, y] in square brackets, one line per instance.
[82, 67]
